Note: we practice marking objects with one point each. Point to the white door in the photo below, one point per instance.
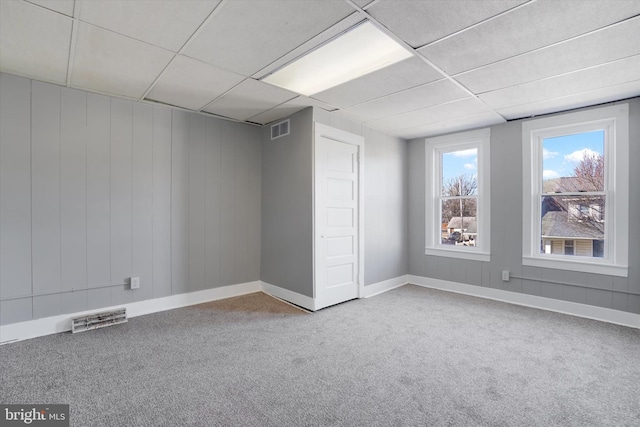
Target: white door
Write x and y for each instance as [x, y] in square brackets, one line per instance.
[337, 216]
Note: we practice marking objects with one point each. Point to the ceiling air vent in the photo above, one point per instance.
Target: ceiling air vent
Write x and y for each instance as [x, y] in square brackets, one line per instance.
[280, 129]
[98, 320]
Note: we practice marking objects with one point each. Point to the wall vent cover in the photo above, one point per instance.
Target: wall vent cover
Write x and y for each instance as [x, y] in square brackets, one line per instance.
[98, 320]
[280, 129]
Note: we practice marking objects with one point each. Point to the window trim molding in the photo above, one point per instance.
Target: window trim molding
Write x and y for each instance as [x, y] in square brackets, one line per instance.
[481, 139]
[616, 148]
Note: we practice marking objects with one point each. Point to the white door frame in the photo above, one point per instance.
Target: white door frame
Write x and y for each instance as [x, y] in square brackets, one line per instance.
[329, 132]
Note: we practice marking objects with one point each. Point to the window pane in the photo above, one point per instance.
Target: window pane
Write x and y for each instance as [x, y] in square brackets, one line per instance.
[572, 225]
[457, 229]
[572, 163]
[459, 173]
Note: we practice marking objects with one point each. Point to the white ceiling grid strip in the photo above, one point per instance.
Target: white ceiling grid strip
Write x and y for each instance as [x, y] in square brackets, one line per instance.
[77, 5]
[184, 46]
[422, 57]
[508, 60]
[583, 46]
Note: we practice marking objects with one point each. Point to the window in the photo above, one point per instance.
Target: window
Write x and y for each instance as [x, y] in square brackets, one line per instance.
[576, 188]
[568, 247]
[457, 195]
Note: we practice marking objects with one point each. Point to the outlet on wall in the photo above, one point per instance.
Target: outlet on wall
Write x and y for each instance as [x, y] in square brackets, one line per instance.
[135, 283]
[505, 275]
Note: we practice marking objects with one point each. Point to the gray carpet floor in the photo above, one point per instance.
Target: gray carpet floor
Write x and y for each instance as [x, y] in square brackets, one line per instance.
[409, 357]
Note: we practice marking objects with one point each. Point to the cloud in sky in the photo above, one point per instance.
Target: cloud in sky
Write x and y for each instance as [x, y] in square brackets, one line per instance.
[469, 166]
[548, 154]
[466, 153]
[550, 174]
[578, 155]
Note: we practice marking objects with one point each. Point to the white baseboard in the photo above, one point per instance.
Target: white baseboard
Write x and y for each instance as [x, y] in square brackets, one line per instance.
[385, 285]
[62, 323]
[287, 295]
[566, 307]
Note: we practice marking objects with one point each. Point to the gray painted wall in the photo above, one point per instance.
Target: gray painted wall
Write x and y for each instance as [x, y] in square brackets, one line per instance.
[506, 231]
[386, 244]
[386, 238]
[287, 174]
[94, 190]
[287, 209]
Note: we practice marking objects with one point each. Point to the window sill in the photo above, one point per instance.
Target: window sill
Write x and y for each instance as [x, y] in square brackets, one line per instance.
[460, 254]
[586, 266]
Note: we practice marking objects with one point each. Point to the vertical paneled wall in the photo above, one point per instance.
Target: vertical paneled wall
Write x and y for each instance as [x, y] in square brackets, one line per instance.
[94, 190]
[619, 293]
[287, 206]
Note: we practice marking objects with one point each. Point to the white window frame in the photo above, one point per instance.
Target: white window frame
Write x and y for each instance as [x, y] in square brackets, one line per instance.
[434, 149]
[614, 120]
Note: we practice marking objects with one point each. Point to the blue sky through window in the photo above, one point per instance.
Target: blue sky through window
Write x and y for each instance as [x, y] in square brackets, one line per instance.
[562, 153]
[456, 163]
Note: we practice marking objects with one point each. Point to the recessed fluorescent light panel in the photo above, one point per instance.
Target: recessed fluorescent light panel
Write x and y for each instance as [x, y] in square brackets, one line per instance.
[355, 53]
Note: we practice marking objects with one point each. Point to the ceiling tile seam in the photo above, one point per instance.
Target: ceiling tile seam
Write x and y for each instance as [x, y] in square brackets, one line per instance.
[561, 74]
[202, 25]
[120, 34]
[358, 8]
[477, 24]
[272, 108]
[302, 107]
[394, 93]
[223, 94]
[445, 121]
[616, 101]
[567, 96]
[77, 5]
[423, 58]
[260, 74]
[45, 8]
[99, 92]
[588, 33]
[176, 107]
[371, 4]
[184, 46]
[411, 111]
[219, 67]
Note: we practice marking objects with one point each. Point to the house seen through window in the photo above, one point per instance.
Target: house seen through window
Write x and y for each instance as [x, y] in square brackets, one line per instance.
[576, 191]
[458, 210]
[573, 198]
[459, 197]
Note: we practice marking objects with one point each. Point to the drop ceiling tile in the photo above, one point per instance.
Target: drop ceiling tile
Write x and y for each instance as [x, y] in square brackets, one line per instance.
[288, 108]
[166, 23]
[245, 36]
[191, 84]
[114, 64]
[34, 42]
[362, 3]
[584, 99]
[415, 98]
[400, 76]
[609, 44]
[437, 113]
[248, 99]
[276, 113]
[530, 27]
[611, 74]
[422, 22]
[459, 124]
[62, 6]
[333, 31]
